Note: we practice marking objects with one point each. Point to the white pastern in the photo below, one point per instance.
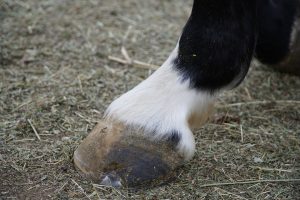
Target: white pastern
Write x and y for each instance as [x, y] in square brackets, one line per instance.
[163, 103]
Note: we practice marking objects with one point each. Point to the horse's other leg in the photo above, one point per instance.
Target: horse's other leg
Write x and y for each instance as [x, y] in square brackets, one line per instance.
[278, 42]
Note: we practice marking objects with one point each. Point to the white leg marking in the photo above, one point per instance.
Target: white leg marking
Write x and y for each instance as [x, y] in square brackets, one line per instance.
[163, 103]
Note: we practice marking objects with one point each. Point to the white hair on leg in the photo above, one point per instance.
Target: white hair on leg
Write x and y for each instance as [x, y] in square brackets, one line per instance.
[163, 103]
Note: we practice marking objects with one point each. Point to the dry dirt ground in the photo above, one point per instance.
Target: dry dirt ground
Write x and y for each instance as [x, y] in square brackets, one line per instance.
[56, 78]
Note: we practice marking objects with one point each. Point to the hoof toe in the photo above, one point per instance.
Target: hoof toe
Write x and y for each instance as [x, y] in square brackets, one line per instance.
[119, 157]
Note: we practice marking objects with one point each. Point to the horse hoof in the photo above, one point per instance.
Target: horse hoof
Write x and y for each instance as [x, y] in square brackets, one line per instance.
[118, 156]
[291, 65]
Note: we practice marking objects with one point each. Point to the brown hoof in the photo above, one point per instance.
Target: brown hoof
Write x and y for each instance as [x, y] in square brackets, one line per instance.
[291, 65]
[118, 156]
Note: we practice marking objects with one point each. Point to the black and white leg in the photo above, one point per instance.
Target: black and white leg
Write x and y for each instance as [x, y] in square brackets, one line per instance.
[213, 54]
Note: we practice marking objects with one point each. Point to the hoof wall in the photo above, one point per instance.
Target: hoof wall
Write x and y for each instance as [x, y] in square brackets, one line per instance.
[120, 157]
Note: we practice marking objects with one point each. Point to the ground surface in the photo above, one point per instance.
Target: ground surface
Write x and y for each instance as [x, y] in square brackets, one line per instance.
[55, 76]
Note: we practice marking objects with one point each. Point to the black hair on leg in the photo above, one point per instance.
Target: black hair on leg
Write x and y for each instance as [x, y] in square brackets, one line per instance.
[217, 43]
[275, 25]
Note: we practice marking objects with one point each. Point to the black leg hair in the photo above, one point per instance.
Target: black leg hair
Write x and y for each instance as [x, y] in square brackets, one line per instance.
[275, 24]
[217, 43]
